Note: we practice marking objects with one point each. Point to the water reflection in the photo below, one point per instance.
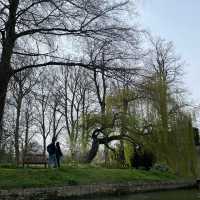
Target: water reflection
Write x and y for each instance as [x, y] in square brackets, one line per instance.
[167, 195]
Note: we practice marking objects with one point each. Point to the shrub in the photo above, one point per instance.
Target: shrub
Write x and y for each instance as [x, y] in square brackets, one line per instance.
[160, 167]
[72, 182]
[144, 160]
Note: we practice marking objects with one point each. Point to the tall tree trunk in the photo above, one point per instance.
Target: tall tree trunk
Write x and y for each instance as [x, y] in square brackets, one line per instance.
[26, 136]
[4, 80]
[44, 146]
[121, 157]
[19, 103]
[8, 42]
[164, 119]
[1, 135]
[106, 156]
[121, 153]
[72, 145]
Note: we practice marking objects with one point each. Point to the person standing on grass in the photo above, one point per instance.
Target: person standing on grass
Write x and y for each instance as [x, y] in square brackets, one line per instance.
[58, 153]
[51, 149]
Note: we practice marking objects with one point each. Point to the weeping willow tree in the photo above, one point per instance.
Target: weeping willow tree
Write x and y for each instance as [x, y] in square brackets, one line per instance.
[123, 103]
[107, 129]
[172, 139]
[182, 151]
[171, 143]
[149, 116]
[119, 103]
[137, 120]
[171, 136]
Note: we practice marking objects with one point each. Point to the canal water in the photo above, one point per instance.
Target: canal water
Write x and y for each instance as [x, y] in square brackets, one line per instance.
[166, 195]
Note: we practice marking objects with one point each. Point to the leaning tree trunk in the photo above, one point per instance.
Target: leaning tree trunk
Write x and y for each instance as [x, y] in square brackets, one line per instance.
[93, 151]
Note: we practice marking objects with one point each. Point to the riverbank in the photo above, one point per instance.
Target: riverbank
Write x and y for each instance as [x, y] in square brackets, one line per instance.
[80, 191]
[68, 182]
[82, 175]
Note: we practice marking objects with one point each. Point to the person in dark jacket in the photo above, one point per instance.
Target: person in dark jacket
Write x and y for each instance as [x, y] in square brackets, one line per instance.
[58, 153]
[51, 149]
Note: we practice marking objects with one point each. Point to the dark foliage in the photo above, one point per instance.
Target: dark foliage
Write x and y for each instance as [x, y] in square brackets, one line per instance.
[143, 159]
[196, 136]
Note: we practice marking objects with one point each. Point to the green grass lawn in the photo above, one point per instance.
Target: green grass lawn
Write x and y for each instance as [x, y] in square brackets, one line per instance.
[29, 177]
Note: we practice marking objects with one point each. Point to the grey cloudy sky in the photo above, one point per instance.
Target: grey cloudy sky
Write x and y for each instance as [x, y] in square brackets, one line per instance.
[178, 21]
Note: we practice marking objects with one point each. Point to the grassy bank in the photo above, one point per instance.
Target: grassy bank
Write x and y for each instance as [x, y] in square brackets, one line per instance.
[29, 177]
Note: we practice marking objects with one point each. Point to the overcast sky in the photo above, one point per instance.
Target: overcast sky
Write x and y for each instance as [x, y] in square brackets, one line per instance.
[178, 21]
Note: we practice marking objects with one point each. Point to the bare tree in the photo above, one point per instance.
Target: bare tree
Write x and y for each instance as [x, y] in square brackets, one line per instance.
[29, 28]
[72, 94]
[21, 86]
[28, 124]
[43, 116]
[55, 105]
[97, 52]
